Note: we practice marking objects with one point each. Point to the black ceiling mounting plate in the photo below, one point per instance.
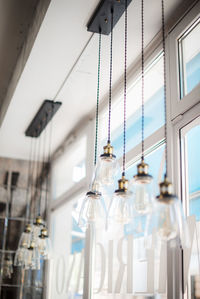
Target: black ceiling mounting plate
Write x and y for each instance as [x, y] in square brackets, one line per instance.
[101, 19]
[42, 118]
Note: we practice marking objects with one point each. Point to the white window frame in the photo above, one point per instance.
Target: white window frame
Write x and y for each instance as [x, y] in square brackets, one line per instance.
[179, 106]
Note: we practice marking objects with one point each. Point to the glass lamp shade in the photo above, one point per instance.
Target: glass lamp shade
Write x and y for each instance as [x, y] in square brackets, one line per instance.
[44, 244]
[142, 189]
[168, 219]
[20, 257]
[121, 206]
[32, 260]
[107, 167]
[8, 267]
[93, 209]
[25, 239]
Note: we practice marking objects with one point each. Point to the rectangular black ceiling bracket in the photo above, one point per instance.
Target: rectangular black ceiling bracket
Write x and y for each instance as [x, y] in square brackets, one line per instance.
[101, 19]
[42, 118]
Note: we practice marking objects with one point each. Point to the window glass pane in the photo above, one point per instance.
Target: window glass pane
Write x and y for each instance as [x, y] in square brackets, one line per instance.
[189, 55]
[68, 242]
[191, 161]
[69, 168]
[153, 110]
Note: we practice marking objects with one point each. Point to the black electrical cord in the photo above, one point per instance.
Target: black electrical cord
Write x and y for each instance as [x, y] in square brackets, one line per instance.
[29, 181]
[97, 105]
[110, 81]
[165, 84]
[125, 83]
[142, 79]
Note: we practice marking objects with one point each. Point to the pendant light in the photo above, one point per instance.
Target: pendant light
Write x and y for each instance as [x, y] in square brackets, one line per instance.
[168, 218]
[142, 181]
[44, 242]
[25, 239]
[93, 207]
[107, 167]
[120, 210]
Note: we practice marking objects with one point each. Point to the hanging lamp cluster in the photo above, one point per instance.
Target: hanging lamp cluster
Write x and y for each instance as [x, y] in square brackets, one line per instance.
[165, 213]
[34, 243]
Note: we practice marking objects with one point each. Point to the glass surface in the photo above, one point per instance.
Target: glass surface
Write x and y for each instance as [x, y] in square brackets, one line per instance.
[152, 120]
[191, 160]
[64, 169]
[155, 160]
[189, 59]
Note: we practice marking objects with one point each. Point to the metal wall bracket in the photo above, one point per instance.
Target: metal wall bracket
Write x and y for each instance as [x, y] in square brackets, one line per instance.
[101, 19]
[42, 118]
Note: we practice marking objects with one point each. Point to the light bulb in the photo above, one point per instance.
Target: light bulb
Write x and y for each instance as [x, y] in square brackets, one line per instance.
[142, 189]
[25, 239]
[93, 208]
[168, 219]
[107, 167]
[44, 244]
[32, 260]
[121, 207]
[20, 257]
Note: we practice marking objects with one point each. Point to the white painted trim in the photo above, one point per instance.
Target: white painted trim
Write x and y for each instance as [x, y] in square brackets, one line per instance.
[179, 106]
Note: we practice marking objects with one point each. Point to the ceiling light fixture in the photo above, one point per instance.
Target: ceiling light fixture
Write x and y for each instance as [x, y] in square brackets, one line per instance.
[142, 181]
[168, 218]
[120, 209]
[93, 207]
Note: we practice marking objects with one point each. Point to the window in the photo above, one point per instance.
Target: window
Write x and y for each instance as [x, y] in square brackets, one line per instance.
[69, 168]
[189, 58]
[190, 140]
[154, 110]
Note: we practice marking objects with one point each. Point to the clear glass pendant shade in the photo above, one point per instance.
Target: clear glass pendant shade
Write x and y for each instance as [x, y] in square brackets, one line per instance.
[32, 260]
[107, 167]
[143, 190]
[121, 206]
[8, 266]
[25, 240]
[44, 244]
[20, 257]
[93, 209]
[167, 220]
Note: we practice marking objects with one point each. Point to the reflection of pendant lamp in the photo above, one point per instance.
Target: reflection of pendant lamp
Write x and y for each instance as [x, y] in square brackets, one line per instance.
[107, 166]
[142, 181]
[168, 219]
[93, 208]
[120, 209]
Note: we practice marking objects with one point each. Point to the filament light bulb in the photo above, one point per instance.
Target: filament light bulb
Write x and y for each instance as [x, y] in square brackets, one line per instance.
[142, 189]
[107, 167]
[44, 245]
[93, 208]
[121, 207]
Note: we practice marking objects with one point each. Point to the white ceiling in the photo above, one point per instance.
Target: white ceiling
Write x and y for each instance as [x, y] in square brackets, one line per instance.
[65, 52]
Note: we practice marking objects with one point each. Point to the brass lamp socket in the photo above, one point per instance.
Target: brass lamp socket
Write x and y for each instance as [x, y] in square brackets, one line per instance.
[142, 173]
[38, 221]
[108, 151]
[122, 185]
[166, 190]
[44, 233]
[27, 228]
